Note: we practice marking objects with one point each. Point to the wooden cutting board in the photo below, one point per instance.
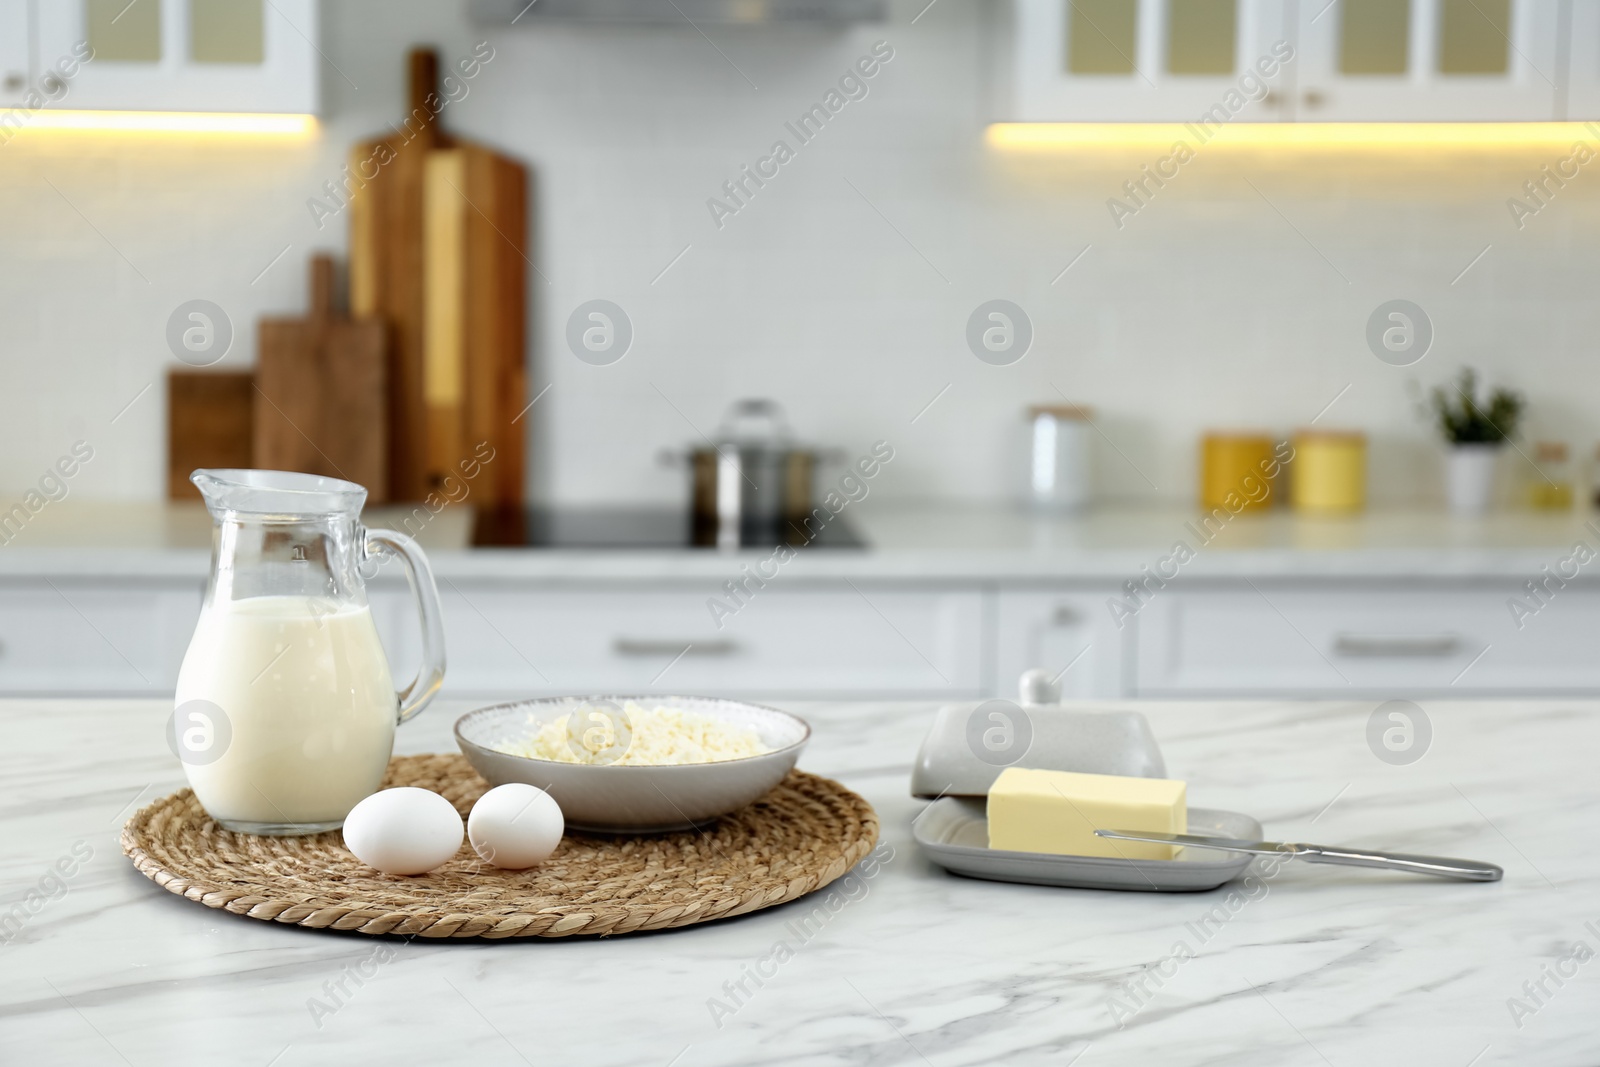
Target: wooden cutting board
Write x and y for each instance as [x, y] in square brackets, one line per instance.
[438, 237]
[321, 392]
[473, 340]
[210, 423]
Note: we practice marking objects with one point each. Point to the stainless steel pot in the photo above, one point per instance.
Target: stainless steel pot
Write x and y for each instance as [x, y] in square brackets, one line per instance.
[750, 482]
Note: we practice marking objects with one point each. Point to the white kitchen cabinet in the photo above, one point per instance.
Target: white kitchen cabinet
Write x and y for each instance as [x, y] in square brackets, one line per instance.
[1384, 641]
[818, 640]
[1581, 96]
[1353, 60]
[1204, 638]
[185, 55]
[1143, 60]
[70, 636]
[16, 60]
[1069, 633]
[1427, 60]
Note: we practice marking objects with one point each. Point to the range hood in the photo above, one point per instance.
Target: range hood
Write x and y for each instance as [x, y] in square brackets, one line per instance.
[677, 12]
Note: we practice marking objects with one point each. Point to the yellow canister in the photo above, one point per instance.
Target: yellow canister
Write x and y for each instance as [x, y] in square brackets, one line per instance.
[1329, 471]
[1235, 471]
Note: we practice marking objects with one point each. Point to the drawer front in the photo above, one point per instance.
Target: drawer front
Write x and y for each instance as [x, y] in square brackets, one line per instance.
[66, 636]
[1070, 634]
[783, 642]
[1367, 641]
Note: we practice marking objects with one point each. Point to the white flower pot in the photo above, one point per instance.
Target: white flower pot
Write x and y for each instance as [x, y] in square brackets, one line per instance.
[1469, 477]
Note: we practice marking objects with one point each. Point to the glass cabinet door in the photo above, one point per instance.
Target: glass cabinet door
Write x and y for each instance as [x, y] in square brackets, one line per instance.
[1147, 60]
[1420, 60]
[187, 55]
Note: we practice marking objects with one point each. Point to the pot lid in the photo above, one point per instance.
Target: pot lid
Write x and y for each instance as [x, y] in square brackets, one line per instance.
[755, 421]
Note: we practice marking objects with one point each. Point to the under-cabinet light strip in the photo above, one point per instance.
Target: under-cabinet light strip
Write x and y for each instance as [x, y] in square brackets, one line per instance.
[1048, 136]
[163, 121]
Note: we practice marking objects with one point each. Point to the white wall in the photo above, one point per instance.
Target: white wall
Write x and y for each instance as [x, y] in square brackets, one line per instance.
[1208, 309]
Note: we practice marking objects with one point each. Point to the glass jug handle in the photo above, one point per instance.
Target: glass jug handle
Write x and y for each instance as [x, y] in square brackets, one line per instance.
[430, 676]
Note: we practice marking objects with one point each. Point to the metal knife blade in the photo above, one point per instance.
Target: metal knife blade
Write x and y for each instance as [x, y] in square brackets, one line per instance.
[1227, 844]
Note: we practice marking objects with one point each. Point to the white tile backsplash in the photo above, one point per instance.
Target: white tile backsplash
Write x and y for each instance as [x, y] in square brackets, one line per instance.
[1237, 297]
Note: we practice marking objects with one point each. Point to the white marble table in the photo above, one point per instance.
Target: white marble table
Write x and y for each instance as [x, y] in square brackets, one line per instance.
[1317, 966]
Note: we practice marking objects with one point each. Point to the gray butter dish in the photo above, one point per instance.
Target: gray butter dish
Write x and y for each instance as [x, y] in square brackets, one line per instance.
[970, 744]
[954, 832]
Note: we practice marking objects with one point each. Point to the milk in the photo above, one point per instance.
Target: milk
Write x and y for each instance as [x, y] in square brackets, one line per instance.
[310, 709]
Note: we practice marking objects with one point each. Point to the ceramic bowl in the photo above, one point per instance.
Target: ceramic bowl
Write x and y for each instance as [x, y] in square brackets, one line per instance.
[635, 799]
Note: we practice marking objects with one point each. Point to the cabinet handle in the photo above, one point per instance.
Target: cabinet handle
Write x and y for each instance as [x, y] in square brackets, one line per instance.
[1369, 646]
[1312, 99]
[652, 648]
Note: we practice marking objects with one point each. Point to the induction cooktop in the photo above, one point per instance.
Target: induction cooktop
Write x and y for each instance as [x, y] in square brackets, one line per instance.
[647, 528]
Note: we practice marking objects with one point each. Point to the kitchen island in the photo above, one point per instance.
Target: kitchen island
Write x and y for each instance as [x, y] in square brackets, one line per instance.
[1312, 965]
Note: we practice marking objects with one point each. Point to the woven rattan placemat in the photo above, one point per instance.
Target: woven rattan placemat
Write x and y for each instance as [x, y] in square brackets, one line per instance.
[799, 837]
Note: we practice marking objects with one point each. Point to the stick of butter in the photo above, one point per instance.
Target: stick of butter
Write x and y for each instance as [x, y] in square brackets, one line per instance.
[1059, 811]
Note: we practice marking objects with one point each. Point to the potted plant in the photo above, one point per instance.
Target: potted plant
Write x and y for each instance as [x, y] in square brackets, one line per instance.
[1475, 433]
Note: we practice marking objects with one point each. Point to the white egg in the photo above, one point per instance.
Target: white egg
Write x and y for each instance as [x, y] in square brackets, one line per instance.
[515, 826]
[403, 831]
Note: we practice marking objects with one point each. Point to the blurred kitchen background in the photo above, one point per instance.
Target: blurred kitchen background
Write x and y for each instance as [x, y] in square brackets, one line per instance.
[996, 152]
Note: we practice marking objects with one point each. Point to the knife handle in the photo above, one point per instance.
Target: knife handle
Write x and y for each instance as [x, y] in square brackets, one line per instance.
[1443, 867]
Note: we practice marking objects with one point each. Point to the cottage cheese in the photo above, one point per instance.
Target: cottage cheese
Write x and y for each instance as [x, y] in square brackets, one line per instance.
[595, 734]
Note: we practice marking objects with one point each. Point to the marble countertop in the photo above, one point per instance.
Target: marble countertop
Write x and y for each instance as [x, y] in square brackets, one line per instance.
[1314, 965]
[906, 542]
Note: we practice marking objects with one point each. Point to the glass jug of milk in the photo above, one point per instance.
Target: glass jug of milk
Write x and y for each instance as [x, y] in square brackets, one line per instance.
[285, 708]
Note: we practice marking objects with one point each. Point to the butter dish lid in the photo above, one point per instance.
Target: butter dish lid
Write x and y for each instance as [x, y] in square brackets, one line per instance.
[970, 744]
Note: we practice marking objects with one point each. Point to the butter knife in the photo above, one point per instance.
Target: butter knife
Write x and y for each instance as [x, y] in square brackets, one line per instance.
[1443, 867]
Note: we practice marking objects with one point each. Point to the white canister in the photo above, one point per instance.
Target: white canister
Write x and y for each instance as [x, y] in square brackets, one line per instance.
[1469, 477]
[1058, 437]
